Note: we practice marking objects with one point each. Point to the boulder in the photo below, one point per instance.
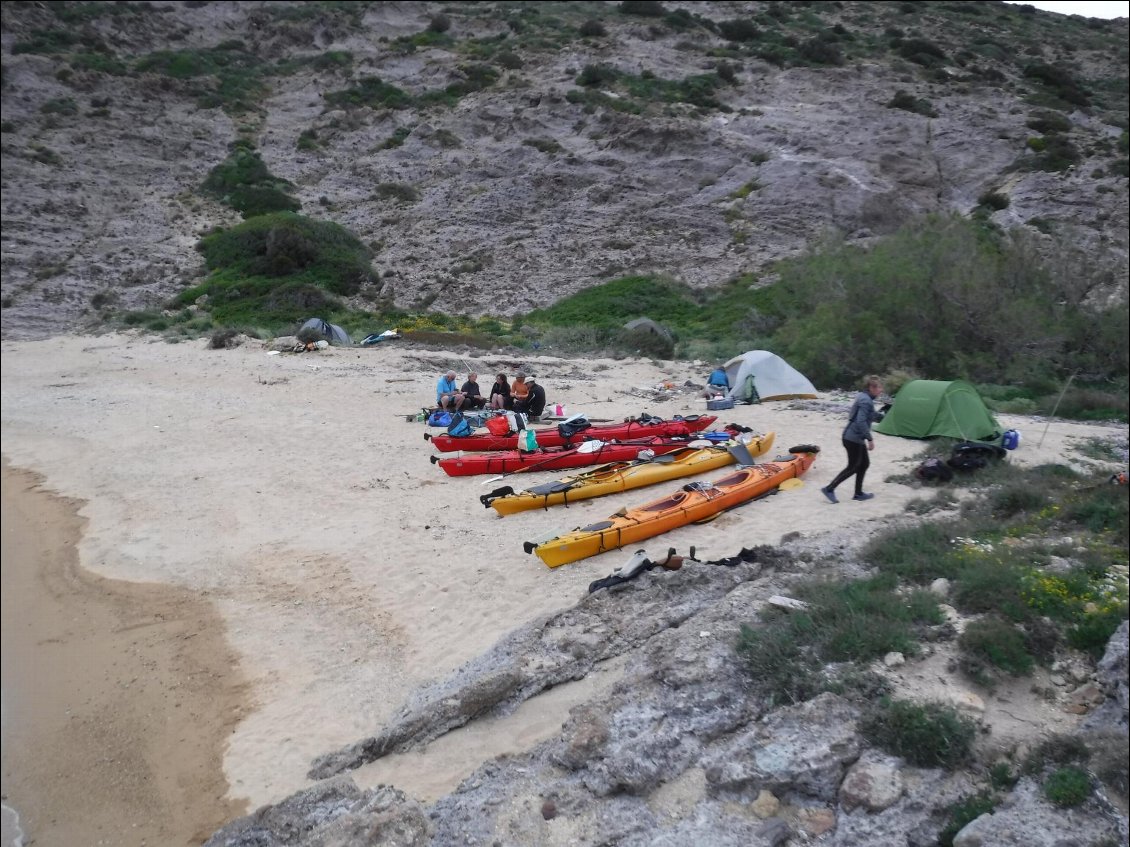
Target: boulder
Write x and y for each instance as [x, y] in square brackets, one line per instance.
[873, 783]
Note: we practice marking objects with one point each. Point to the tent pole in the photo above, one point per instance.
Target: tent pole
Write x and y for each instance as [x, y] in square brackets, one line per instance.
[1055, 408]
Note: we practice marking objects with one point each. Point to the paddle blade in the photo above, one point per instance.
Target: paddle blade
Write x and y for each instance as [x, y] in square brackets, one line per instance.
[741, 454]
[790, 484]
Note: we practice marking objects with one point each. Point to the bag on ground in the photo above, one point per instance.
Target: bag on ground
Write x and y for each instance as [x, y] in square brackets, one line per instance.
[439, 418]
[459, 428]
[934, 470]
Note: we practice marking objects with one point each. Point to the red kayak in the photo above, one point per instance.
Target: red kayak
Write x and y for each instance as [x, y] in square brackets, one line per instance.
[550, 437]
[554, 458]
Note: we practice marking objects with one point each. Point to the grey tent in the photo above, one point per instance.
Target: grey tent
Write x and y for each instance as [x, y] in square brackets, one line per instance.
[759, 374]
[648, 325]
[332, 333]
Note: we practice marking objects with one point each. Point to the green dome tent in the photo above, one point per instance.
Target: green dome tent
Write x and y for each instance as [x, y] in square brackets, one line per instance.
[926, 407]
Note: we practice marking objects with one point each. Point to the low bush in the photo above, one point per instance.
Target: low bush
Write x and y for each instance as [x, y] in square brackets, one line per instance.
[928, 735]
[779, 665]
[243, 182]
[909, 103]
[592, 28]
[1068, 787]
[995, 642]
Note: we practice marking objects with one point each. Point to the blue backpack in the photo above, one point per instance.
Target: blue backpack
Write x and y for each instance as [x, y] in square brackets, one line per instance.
[439, 418]
[459, 426]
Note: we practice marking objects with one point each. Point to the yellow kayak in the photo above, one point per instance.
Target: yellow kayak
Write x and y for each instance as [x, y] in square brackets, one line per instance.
[614, 477]
[693, 502]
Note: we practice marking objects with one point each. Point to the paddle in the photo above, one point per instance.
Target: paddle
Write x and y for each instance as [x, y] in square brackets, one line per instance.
[542, 463]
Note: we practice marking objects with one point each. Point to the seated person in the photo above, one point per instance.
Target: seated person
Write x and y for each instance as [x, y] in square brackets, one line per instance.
[717, 383]
[448, 397]
[519, 389]
[472, 397]
[500, 393]
[534, 402]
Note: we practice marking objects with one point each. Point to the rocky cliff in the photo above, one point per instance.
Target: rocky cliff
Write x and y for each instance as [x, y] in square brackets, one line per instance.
[496, 157]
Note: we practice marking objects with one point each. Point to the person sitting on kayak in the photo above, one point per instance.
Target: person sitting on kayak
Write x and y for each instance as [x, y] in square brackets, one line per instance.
[534, 402]
[472, 397]
[447, 395]
[500, 393]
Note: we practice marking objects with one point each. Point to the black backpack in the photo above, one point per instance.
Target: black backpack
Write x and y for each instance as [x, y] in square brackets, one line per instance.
[570, 428]
[933, 470]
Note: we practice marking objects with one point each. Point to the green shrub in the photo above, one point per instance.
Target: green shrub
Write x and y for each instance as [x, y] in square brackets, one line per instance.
[909, 103]
[333, 60]
[597, 75]
[397, 191]
[397, 139]
[544, 145]
[1093, 632]
[59, 106]
[243, 182]
[371, 92]
[994, 200]
[739, 29]
[922, 52]
[278, 268]
[439, 23]
[592, 28]
[1048, 122]
[1060, 81]
[964, 812]
[1068, 787]
[643, 8]
[1001, 777]
[997, 643]
[1016, 498]
[928, 735]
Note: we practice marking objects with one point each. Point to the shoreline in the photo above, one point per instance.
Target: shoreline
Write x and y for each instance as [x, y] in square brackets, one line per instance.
[118, 697]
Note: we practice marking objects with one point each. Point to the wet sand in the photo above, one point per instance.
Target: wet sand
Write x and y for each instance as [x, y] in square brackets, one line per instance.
[118, 697]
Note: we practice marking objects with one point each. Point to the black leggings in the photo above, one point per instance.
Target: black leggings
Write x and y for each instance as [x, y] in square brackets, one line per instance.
[858, 463]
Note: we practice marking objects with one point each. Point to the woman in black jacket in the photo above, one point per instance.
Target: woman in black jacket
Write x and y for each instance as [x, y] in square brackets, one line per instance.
[500, 393]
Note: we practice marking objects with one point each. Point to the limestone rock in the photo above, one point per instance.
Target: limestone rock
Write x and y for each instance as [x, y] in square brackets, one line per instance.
[800, 749]
[1027, 819]
[873, 783]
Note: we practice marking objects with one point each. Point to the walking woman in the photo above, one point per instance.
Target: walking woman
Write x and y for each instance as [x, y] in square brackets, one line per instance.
[858, 441]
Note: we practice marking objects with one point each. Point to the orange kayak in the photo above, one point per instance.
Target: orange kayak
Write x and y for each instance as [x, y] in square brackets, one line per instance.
[693, 502]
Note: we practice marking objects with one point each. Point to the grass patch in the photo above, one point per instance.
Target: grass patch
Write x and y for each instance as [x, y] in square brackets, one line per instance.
[928, 734]
[993, 643]
[853, 621]
[1068, 787]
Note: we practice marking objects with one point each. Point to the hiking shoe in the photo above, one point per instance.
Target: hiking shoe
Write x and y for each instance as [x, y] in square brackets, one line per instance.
[862, 496]
[830, 494]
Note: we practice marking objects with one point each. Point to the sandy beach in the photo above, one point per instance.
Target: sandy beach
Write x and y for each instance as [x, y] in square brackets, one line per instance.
[287, 497]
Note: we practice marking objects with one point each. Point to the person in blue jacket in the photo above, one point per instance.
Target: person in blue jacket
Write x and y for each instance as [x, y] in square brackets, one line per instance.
[448, 395]
[858, 441]
[717, 383]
